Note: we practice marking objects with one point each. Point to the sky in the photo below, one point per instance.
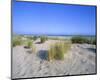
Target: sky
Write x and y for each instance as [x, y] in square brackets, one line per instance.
[55, 19]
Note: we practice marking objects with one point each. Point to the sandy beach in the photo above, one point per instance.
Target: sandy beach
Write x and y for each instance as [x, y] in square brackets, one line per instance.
[80, 59]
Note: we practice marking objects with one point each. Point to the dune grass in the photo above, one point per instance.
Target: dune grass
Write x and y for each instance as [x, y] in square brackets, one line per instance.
[58, 50]
[81, 40]
[35, 37]
[94, 42]
[16, 41]
[31, 45]
[32, 37]
[43, 39]
[33, 48]
[28, 43]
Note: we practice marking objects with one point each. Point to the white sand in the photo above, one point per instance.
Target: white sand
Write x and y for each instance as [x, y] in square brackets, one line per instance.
[79, 60]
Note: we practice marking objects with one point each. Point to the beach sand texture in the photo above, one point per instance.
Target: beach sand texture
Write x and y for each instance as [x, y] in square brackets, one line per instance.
[80, 59]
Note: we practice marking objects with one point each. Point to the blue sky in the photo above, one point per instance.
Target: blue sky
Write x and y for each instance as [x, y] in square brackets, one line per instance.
[43, 18]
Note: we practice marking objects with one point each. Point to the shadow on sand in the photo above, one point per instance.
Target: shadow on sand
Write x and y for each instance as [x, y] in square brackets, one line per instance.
[89, 49]
[38, 43]
[26, 47]
[92, 49]
[43, 54]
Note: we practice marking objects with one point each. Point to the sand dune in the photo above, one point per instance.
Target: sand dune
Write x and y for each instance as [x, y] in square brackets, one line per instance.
[79, 60]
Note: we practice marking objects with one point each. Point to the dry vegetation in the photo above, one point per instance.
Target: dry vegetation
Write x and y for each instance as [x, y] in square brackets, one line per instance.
[31, 45]
[81, 40]
[58, 50]
[43, 39]
[28, 43]
[46, 56]
[16, 41]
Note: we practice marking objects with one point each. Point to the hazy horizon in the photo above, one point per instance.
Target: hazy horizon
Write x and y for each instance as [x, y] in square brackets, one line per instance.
[53, 19]
[53, 34]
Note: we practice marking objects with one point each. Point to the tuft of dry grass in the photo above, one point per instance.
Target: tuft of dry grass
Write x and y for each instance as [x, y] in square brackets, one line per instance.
[58, 50]
[51, 53]
[16, 41]
[31, 45]
[33, 48]
[43, 38]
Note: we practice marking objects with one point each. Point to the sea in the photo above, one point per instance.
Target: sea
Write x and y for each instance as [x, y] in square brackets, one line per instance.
[63, 36]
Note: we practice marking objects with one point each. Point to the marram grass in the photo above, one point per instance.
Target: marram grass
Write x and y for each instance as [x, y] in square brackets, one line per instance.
[58, 50]
[16, 41]
[43, 38]
[33, 48]
[31, 45]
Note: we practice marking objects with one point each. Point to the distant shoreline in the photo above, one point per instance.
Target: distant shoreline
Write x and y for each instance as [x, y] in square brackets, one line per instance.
[54, 35]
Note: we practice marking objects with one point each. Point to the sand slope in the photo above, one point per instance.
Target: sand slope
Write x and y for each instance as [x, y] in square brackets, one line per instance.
[79, 60]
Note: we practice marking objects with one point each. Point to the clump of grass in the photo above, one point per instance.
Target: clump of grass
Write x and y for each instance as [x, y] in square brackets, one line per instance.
[35, 37]
[33, 48]
[31, 45]
[43, 39]
[51, 53]
[54, 38]
[94, 42]
[58, 50]
[16, 41]
[65, 46]
[81, 40]
[32, 37]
